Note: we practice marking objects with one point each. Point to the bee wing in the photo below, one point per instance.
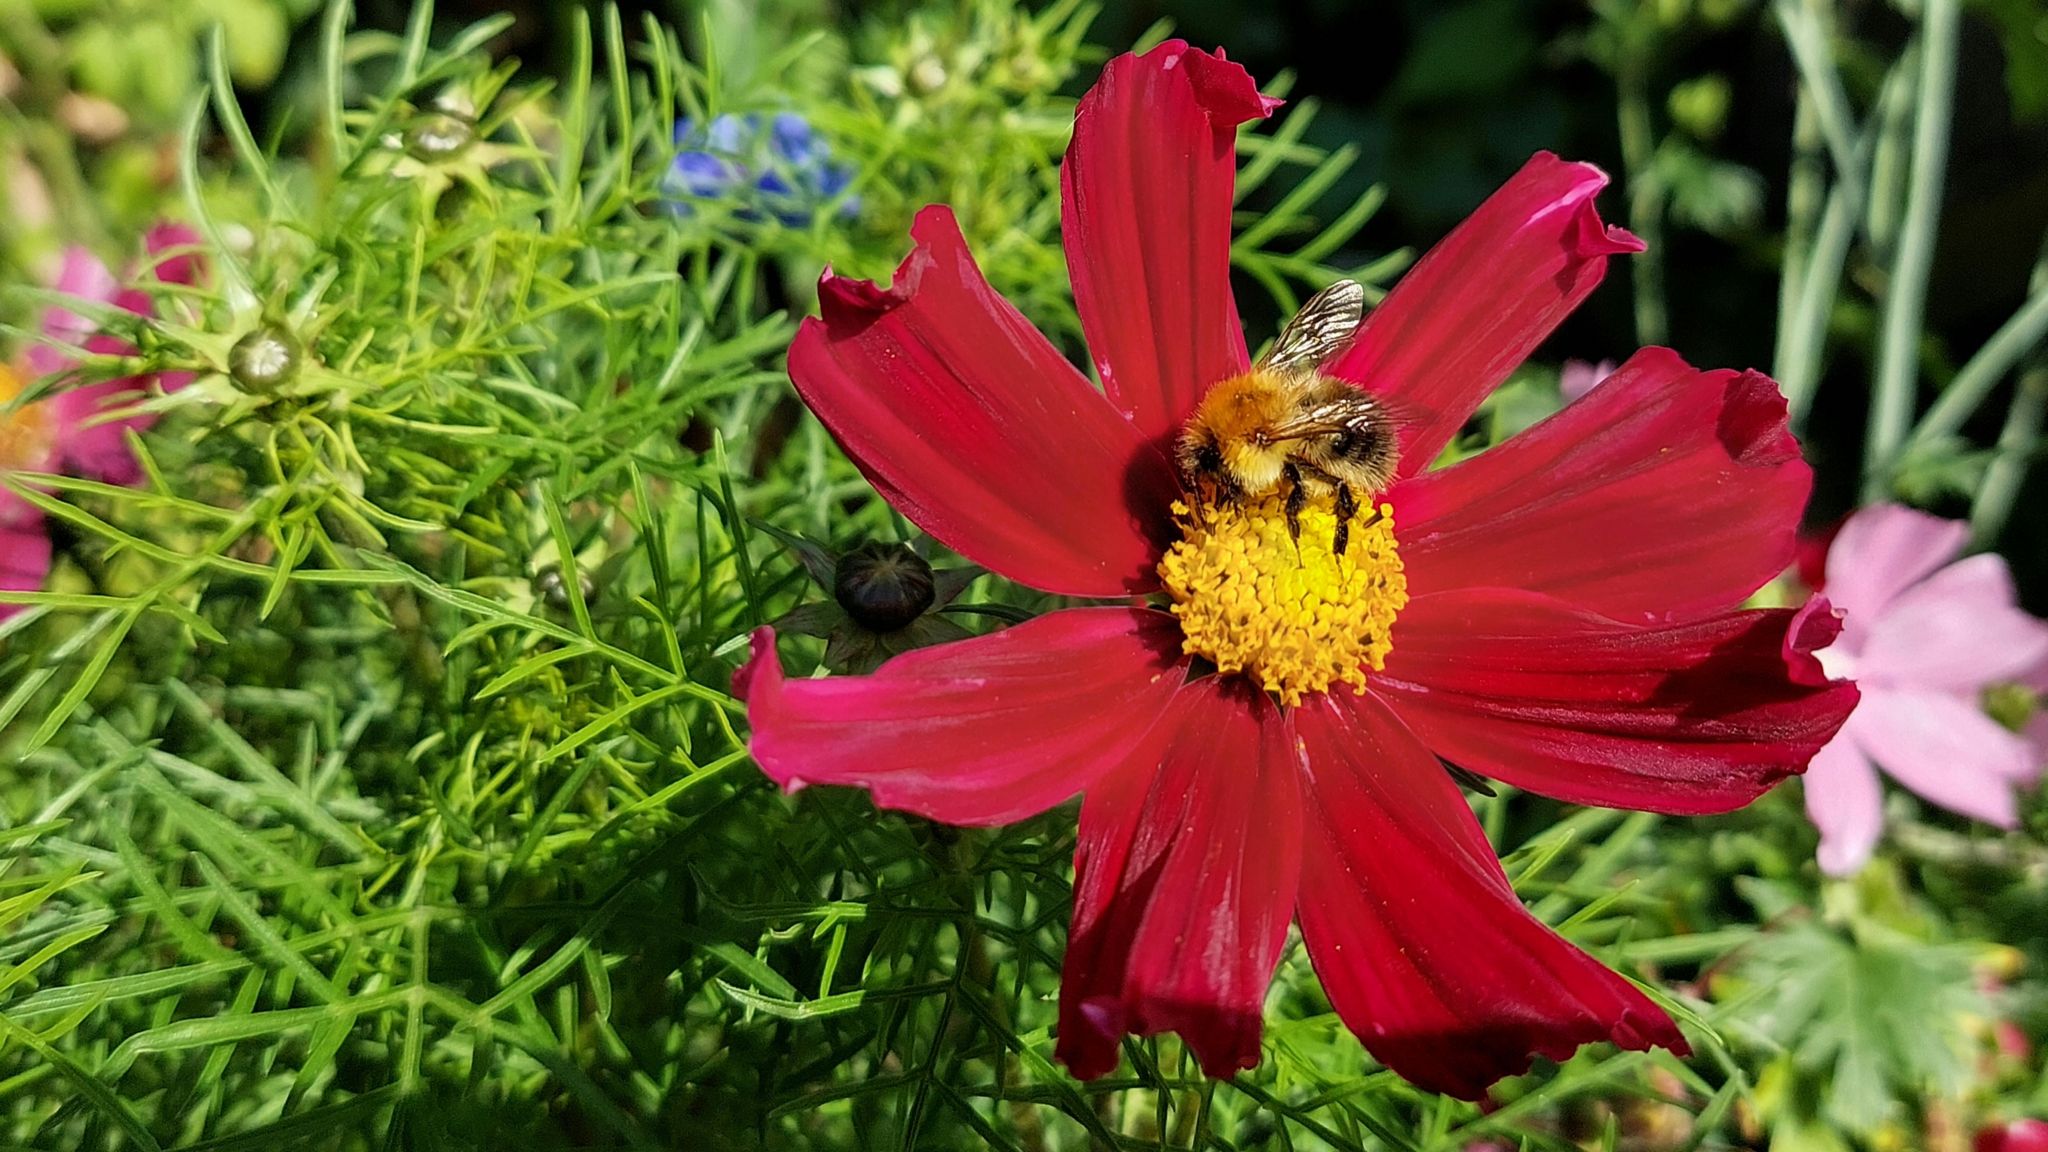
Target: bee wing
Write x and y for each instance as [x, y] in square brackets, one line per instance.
[1352, 414]
[1317, 332]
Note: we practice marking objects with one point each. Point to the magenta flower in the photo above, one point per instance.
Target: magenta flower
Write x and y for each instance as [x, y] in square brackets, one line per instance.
[2013, 1136]
[1923, 638]
[61, 434]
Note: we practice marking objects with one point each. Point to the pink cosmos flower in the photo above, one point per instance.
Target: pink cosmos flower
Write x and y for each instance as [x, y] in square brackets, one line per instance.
[1923, 637]
[1266, 741]
[2012, 1136]
[60, 433]
[1579, 377]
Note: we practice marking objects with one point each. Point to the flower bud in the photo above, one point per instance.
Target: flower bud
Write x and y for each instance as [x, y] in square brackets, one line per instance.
[928, 74]
[265, 359]
[438, 136]
[883, 586]
[552, 588]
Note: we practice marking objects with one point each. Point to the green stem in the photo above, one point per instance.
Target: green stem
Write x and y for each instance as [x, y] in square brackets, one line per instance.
[1804, 193]
[1806, 299]
[1888, 165]
[1820, 83]
[1803, 336]
[2018, 443]
[1955, 848]
[1906, 295]
[2007, 346]
[1646, 194]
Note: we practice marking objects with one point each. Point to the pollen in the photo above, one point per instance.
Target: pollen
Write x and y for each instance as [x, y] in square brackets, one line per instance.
[24, 432]
[1286, 611]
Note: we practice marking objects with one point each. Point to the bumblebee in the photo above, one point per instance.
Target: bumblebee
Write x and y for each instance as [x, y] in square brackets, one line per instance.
[1285, 425]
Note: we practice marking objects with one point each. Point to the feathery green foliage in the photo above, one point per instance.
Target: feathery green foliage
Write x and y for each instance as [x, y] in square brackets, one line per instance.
[376, 778]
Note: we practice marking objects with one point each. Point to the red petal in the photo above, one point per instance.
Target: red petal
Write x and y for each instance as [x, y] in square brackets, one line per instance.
[1691, 718]
[1145, 213]
[1663, 494]
[1420, 943]
[1482, 299]
[983, 731]
[1184, 883]
[971, 424]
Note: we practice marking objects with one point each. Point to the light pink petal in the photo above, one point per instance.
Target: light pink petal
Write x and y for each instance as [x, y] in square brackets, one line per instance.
[1184, 884]
[1845, 801]
[84, 276]
[1145, 195]
[981, 731]
[1479, 302]
[87, 277]
[1881, 551]
[1579, 377]
[1959, 630]
[970, 423]
[1947, 750]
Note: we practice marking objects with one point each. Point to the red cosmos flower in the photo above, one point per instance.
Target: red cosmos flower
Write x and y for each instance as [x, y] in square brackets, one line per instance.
[1557, 612]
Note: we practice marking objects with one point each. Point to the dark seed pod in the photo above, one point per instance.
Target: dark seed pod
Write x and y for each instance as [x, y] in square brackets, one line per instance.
[883, 586]
[553, 590]
[266, 359]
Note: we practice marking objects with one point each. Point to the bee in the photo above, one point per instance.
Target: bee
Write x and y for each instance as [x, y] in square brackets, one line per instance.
[1285, 424]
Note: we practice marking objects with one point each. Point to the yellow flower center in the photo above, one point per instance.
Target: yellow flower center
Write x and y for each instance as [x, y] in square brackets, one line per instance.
[24, 432]
[1287, 611]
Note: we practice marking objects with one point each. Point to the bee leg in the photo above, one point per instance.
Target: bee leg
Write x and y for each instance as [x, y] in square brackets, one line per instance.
[1347, 507]
[1297, 499]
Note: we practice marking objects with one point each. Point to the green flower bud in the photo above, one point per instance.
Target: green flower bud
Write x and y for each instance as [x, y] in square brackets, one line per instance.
[552, 588]
[265, 359]
[884, 587]
[438, 136]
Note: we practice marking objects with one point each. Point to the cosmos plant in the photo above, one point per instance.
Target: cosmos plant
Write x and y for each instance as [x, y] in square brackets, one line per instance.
[1259, 724]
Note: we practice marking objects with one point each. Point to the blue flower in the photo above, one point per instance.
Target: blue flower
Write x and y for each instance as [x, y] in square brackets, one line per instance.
[781, 167]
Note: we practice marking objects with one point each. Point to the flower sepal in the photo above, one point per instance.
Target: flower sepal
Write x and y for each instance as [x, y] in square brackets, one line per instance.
[886, 600]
